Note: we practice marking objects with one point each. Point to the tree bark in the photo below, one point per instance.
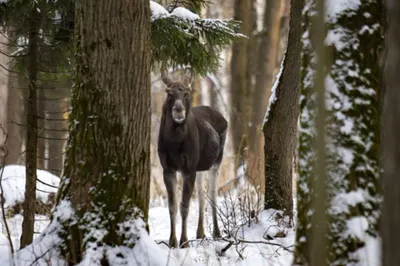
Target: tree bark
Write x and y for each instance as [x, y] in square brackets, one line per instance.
[41, 141]
[3, 99]
[57, 131]
[391, 141]
[15, 114]
[266, 66]
[241, 79]
[281, 125]
[31, 134]
[319, 239]
[107, 166]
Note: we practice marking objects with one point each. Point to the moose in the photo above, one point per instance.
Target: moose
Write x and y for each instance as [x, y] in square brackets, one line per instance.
[191, 141]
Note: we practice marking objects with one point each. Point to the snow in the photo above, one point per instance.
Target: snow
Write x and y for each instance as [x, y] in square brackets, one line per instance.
[159, 11]
[184, 13]
[273, 97]
[13, 183]
[335, 7]
[149, 249]
[207, 251]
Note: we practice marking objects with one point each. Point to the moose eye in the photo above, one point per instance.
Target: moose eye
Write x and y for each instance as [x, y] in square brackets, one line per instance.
[187, 95]
[169, 97]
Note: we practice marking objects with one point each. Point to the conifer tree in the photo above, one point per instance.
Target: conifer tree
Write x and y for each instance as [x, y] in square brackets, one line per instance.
[353, 84]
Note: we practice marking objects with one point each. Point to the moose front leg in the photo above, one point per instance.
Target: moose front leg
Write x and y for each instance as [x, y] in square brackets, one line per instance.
[188, 186]
[170, 184]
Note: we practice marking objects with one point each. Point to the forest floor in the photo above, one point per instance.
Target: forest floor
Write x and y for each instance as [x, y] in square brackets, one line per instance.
[262, 238]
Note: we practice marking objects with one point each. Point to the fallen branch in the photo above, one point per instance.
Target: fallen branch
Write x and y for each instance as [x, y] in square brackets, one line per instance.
[240, 240]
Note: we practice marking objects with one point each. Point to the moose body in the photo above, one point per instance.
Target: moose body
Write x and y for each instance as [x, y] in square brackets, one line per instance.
[191, 141]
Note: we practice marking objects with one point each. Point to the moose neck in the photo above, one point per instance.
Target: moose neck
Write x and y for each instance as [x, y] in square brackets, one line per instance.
[176, 131]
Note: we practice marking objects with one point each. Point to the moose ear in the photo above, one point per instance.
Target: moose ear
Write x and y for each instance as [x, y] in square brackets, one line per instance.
[188, 77]
[166, 79]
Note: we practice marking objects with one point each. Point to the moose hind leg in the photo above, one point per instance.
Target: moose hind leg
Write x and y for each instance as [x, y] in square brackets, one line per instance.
[201, 197]
[213, 196]
[188, 186]
[170, 184]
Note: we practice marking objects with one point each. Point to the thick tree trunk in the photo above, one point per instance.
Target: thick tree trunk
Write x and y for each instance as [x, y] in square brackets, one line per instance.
[281, 123]
[352, 85]
[107, 166]
[31, 136]
[391, 141]
[241, 79]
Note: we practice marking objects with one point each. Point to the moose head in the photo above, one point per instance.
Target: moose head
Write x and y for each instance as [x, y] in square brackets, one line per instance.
[177, 102]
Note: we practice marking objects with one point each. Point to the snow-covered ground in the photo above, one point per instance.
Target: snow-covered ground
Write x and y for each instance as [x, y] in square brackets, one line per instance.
[201, 252]
[208, 252]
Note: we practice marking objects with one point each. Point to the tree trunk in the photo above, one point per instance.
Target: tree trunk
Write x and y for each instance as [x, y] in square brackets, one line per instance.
[31, 136]
[241, 79]
[266, 66]
[57, 131]
[15, 116]
[319, 239]
[267, 54]
[3, 99]
[41, 142]
[281, 124]
[352, 84]
[107, 166]
[391, 141]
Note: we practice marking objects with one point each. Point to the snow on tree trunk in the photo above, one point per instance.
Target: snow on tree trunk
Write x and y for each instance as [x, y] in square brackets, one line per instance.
[353, 85]
[280, 123]
[107, 168]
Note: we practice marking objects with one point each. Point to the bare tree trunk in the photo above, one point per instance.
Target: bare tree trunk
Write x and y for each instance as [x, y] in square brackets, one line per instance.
[196, 89]
[107, 166]
[31, 136]
[319, 240]
[391, 141]
[41, 142]
[14, 112]
[3, 98]
[267, 53]
[57, 130]
[241, 79]
[281, 125]
[266, 66]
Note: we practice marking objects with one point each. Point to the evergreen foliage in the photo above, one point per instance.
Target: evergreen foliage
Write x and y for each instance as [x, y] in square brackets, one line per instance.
[54, 35]
[176, 41]
[179, 42]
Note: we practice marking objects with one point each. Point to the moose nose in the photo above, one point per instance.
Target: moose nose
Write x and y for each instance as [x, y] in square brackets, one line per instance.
[178, 108]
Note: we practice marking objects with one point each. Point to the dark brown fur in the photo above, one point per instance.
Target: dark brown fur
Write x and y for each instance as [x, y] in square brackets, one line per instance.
[197, 144]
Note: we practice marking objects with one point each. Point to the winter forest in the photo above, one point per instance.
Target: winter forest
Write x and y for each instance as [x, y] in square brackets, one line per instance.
[199, 132]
